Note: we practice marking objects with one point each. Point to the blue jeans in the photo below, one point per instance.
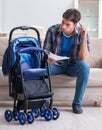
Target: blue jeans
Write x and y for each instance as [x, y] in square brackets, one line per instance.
[80, 70]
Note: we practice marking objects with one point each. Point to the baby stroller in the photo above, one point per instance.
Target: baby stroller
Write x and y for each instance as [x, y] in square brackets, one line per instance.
[29, 83]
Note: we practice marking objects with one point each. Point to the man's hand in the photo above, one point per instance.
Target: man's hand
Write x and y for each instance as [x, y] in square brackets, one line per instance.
[83, 53]
[83, 31]
[50, 59]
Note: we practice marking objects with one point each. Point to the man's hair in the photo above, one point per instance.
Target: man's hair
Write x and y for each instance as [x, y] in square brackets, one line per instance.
[72, 14]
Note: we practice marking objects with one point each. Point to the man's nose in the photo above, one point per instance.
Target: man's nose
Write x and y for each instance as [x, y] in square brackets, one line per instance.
[63, 26]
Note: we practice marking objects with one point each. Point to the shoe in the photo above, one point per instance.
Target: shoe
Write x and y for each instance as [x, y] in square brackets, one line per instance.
[77, 108]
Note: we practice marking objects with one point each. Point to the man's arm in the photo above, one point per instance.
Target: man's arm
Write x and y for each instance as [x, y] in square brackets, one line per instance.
[84, 52]
[48, 44]
[47, 41]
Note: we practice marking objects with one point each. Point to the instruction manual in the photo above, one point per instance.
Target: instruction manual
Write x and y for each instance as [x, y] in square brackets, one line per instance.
[56, 57]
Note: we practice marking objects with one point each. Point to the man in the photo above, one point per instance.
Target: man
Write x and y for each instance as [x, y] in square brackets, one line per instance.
[70, 39]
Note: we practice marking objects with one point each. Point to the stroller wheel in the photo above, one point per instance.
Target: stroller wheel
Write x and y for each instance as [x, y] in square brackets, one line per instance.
[48, 115]
[36, 112]
[8, 115]
[42, 111]
[55, 113]
[22, 118]
[30, 117]
[15, 114]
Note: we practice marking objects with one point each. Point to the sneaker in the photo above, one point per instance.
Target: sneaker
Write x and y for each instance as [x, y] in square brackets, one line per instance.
[77, 108]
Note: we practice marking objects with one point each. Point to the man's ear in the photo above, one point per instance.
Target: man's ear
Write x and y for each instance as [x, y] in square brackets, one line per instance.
[76, 24]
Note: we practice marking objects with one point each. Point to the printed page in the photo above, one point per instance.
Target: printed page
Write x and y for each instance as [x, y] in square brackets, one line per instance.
[56, 57]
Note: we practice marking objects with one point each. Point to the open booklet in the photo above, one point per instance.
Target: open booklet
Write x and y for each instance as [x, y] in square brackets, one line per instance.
[56, 57]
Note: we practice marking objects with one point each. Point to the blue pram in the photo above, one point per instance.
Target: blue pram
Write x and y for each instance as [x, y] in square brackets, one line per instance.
[29, 82]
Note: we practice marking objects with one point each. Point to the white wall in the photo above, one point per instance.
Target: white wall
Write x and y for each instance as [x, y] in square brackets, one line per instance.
[100, 19]
[32, 12]
[1, 18]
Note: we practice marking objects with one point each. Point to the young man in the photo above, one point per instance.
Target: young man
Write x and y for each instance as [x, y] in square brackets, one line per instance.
[70, 39]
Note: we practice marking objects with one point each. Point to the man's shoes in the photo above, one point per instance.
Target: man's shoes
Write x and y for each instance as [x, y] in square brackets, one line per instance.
[77, 108]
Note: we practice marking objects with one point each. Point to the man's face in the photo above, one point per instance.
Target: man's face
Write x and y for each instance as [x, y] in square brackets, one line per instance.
[68, 26]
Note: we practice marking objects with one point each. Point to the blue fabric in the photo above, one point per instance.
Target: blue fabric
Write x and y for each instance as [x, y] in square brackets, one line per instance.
[80, 70]
[16, 45]
[25, 66]
[5, 63]
[22, 40]
[66, 45]
[28, 58]
[32, 74]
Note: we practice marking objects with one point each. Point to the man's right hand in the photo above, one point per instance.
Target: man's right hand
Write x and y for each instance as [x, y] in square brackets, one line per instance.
[50, 59]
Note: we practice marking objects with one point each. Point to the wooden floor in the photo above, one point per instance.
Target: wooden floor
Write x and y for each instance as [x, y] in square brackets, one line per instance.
[91, 119]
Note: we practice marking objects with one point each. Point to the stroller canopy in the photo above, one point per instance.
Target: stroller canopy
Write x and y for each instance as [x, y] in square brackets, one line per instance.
[16, 45]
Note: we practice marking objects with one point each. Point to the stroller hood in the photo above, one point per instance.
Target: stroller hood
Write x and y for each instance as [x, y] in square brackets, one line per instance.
[16, 45]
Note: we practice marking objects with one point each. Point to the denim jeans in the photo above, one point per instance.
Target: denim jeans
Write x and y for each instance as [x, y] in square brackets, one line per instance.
[80, 70]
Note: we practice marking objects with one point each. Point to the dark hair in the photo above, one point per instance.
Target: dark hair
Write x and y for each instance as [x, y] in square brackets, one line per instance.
[72, 14]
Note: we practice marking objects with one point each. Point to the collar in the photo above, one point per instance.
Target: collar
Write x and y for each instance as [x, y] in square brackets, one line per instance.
[59, 29]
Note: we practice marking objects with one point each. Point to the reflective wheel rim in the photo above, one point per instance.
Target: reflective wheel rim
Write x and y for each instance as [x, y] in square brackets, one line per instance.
[16, 115]
[48, 115]
[30, 117]
[55, 113]
[42, 111]
[8, 115]
[36, 112]
[22, 118]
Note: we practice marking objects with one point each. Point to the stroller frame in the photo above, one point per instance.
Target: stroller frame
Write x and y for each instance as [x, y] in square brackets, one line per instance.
[37, 103]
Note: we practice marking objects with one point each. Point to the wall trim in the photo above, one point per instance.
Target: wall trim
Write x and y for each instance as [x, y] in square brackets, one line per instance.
[1, 15]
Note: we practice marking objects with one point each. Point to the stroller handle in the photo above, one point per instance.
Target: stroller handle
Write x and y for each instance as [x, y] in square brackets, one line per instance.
[30, 49]
[23, 28]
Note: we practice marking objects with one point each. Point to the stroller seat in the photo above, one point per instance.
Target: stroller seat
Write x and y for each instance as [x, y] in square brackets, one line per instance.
[32, 74]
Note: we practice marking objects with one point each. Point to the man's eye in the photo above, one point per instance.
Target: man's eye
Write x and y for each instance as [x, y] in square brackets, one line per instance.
[62, 22]
[68, 25]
